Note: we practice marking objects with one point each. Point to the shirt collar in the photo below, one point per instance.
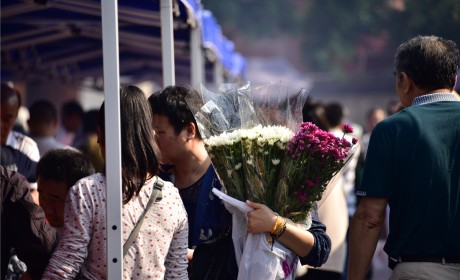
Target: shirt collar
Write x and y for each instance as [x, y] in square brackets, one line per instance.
[433, 97]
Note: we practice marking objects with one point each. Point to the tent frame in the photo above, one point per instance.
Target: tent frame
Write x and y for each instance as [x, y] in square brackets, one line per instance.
[109, 12]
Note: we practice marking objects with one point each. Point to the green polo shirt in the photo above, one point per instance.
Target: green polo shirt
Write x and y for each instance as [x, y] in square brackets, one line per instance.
[413, 160]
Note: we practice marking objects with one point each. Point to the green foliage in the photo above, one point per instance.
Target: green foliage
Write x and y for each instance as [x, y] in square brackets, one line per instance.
[331, 30]
[334, 27]
[427, 17]
[255, 18]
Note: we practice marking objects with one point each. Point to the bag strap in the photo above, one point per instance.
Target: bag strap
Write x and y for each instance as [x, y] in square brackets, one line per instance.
[205, 188]
[155, 196]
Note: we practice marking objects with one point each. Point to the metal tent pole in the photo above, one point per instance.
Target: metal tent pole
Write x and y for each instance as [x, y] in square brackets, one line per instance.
[196, 56]
[167, 42]
[113, 139]
[218, 73]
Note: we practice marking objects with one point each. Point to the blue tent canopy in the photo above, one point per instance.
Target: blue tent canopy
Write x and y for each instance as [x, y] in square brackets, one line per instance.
[212, 35]
[62, 40]
[218, 48]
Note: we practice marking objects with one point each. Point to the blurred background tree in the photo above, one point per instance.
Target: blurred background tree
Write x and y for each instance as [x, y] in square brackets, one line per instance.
[342, 37]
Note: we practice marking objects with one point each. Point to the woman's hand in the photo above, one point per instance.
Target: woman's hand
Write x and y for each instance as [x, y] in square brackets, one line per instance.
[261, 219]
[190, 254]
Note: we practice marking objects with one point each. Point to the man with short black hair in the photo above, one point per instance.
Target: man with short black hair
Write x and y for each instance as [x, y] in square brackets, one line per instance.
[57, 171]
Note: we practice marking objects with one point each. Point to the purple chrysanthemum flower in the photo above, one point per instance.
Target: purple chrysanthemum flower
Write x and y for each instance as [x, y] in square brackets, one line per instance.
[309, 183]
[301, 195]
[347, 128]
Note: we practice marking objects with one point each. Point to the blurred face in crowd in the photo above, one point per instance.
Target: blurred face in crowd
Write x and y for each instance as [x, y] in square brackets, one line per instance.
[52, 199]
[9, 113]
[171, 144]
[375, 117]
[71, 122]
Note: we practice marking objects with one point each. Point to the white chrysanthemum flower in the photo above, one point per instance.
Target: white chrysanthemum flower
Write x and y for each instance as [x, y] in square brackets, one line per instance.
[281, 145]
[272, 134]
[247, 144]
[250, 134]
[223, 139]
[275, 161]
[262, 135]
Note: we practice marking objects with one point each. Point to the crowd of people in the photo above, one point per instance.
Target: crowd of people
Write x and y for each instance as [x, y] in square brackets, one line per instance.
[400, 189]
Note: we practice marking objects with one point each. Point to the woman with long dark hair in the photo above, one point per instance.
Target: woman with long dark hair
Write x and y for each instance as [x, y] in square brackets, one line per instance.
[160, 249]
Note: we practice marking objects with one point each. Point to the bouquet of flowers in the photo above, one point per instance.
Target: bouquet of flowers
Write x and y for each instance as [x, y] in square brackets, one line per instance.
[262, 152]
[270, 164]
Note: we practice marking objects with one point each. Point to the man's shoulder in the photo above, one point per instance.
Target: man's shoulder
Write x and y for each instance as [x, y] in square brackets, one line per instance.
[18, 139]
[25, 144]
[397, 119]
[28, 141]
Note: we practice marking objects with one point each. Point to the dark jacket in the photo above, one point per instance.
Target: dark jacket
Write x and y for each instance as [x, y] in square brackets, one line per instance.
[23, 225]
[15, 160]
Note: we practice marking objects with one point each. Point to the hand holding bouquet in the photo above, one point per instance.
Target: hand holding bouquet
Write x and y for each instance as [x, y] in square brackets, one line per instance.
[274, 166]
[262, 152]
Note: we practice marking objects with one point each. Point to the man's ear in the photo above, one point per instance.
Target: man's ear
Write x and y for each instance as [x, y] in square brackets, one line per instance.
[405, 82]
[191, 130]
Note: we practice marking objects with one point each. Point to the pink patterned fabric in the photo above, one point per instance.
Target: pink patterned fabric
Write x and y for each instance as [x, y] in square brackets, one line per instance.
[159, 251]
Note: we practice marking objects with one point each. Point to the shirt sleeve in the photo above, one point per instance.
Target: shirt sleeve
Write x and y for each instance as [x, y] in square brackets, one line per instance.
[176, 262]
[72, 248]
[376, 181]
[321, 249]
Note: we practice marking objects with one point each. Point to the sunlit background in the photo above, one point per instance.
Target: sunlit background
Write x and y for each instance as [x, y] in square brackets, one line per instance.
[341, 50]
